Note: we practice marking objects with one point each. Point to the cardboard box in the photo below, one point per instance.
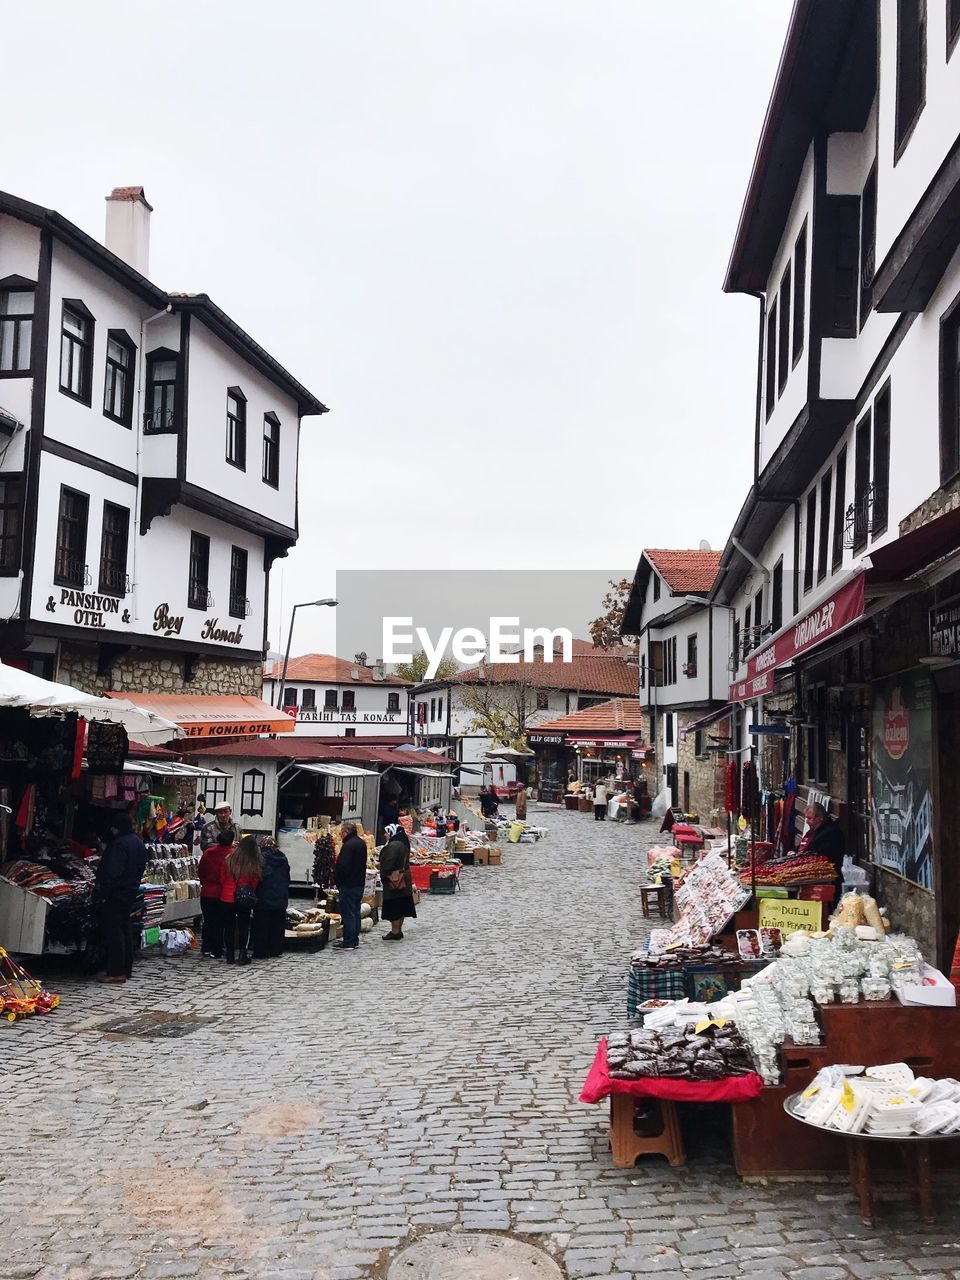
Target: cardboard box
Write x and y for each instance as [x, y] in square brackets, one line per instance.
[933, 989]
[481, 857]
[496, 857]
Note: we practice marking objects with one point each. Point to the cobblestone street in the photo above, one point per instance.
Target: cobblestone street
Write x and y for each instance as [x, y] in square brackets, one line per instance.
[325, 1110]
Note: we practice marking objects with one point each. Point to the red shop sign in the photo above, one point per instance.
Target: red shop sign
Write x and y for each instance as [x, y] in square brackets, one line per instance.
[840, 610]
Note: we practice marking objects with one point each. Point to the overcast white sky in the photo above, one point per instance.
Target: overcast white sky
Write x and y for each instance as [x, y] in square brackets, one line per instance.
[489, 234]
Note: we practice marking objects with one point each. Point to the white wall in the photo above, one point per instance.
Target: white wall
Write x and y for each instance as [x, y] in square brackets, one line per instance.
[157, 564]
[214, 368]
[113, 307]
[162, 578]
[687, 689]
[901, 185]
[794, 395]
[370, 719]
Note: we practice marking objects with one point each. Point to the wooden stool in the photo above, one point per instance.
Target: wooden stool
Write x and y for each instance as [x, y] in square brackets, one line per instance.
[654, 896]
[661, 1130]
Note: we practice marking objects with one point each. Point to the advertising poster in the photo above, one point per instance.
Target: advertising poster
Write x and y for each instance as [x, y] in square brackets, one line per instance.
[902, 803]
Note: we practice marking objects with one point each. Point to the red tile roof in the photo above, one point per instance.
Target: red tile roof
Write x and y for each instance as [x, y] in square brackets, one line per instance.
[312, 749]
[619, 715]
[324, 668]
[583, 674]
[684, 571]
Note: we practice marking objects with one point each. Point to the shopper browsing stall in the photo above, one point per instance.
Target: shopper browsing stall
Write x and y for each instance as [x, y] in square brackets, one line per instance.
[242, 872]
[118, 883]
[397, 883]
[600, 802]
[222, 820]
[350, 877]
[273, 895]
[211, 873]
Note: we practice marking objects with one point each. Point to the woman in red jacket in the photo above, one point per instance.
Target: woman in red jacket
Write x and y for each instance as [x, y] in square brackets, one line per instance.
[211, 887]
[241, 875]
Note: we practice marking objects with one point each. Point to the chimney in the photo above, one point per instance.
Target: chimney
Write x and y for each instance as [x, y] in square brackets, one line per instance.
[128, 227]
[379, 670]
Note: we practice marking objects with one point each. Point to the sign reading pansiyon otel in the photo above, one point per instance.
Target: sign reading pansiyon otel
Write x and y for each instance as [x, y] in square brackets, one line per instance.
[830, 617]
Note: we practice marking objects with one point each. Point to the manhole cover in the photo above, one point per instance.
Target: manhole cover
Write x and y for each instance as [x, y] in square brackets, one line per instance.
[153, 1026]
[472, 1256]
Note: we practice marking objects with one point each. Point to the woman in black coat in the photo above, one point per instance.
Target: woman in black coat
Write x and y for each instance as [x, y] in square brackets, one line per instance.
[397, 882]
[273, 894]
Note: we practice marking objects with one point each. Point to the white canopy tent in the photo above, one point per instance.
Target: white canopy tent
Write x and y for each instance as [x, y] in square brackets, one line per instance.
[46, 698]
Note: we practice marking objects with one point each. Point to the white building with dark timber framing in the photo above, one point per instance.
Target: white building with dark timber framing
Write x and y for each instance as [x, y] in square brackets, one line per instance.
[148, 464]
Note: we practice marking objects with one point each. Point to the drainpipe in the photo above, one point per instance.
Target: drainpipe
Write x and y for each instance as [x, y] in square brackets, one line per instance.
[141, 366]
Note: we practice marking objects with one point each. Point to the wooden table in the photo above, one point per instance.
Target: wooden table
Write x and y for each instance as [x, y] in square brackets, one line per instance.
[914, 1148]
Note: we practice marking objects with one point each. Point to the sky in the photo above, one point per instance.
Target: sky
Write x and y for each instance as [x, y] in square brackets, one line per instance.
[490, 235]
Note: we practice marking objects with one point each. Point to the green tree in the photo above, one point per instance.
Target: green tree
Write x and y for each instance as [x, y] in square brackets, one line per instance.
[416, 669]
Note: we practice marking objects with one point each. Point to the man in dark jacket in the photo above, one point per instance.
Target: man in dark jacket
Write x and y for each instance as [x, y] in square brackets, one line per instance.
[350, 877]
[824, 838]
[273, 894]
[118, 884]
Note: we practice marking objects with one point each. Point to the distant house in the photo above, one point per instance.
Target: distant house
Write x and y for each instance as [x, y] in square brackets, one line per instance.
[332, 696]
[445, 718]
[684, 672]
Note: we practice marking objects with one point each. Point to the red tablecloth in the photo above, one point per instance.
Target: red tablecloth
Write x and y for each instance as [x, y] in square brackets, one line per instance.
[599, 1084]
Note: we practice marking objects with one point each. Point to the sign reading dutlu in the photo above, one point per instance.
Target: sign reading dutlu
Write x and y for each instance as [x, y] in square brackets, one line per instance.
[790, 914]
[840, 610]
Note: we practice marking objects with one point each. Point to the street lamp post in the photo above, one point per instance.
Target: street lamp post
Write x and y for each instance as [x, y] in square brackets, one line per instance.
[304, 604]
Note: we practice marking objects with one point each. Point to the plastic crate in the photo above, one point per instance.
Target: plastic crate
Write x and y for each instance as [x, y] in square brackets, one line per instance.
[443, 884]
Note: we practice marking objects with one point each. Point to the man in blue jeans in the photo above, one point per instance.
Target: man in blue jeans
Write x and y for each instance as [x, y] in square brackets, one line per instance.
[350, 876]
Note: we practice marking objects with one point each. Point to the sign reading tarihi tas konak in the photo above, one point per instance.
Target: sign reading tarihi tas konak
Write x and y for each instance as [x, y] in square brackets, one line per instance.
[790, 914]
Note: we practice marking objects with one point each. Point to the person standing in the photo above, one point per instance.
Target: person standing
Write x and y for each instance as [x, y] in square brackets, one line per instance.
[273, 894]
[211, 891]
[600, 802]
[118, 883]
[220, 821]
[350, 877]
[521, 803]
[397, 883]
[241, 876]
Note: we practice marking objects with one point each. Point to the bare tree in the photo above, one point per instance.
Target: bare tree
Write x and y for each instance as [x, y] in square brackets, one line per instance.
[500, 711]
[605, 629]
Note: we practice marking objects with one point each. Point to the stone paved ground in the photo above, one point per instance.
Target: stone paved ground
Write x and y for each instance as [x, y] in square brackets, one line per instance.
[335, 1106]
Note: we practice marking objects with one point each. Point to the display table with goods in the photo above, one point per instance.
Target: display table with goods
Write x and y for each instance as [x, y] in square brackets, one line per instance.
[176, 867]
[854, 996]
[46, 900]
[882, 1104]
[705, 1063]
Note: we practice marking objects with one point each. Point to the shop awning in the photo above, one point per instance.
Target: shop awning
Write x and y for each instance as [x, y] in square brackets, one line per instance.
[828, 619]
[171, 769]
[632, 741]
[216, 715]
[422, 773]
[333, 769]
[898, 560]
[47, 698]
[710, 718]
